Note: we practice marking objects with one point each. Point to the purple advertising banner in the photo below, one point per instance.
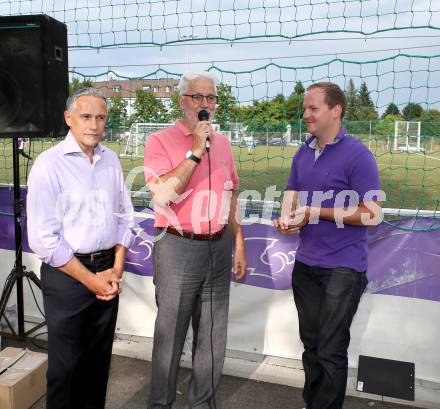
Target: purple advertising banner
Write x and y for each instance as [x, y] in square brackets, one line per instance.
[401, 262]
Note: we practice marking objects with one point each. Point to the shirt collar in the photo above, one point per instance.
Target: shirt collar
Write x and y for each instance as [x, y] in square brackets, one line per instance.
[182, 128]
[313, 141]
[70, 145]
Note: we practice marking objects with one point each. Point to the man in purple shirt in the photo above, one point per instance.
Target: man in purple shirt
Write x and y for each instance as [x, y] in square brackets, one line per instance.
[332, 195]
[79, 223]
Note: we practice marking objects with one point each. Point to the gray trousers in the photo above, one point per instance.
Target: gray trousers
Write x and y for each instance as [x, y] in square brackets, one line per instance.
[186, 283]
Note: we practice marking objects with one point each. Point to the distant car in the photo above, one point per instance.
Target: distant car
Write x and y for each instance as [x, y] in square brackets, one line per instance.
[276, 142]
[242, 142]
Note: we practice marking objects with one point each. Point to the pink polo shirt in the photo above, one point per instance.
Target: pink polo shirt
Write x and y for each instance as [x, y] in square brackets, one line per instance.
[164, 151]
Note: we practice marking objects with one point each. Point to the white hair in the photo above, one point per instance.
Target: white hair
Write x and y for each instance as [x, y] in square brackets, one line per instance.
[186, 78]
[94, 92]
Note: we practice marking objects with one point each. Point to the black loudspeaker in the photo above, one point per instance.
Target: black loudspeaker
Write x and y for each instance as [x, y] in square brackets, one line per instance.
[34, 79]
[386, 377]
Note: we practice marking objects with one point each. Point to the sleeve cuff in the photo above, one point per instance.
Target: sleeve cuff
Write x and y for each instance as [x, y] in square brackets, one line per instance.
[126, 237]
[60, 256]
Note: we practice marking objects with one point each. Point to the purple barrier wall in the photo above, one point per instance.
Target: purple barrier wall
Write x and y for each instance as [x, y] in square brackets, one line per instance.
[402, 263]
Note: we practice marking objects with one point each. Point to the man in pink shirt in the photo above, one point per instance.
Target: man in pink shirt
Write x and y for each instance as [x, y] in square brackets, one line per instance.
[193, 183]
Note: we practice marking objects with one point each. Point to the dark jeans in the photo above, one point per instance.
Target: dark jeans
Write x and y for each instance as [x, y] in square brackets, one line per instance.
[326, 300]
[80, 338]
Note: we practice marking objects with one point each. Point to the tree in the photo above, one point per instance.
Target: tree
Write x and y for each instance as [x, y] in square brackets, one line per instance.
[174, 111]
[431, 115]
[351, 94]
[244, 113]
[366, 114]
[117, 112]
[364, 96]
[226, 111]
[431, 122]
[279, 99]
[386, 125]
[294, 107]
[367, 109]
[412, 111]
[148, 108]
[392, 109]
[276, 120]
[267, 115]
[299, 88]
[76, 84]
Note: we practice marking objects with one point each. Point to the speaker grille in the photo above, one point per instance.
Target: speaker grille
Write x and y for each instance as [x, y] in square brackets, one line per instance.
[33, 76]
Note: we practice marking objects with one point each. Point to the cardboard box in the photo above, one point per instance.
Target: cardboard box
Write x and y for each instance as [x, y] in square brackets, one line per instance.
[22, 378]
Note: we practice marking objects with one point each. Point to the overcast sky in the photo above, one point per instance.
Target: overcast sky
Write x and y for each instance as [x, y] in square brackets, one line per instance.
[260, 47]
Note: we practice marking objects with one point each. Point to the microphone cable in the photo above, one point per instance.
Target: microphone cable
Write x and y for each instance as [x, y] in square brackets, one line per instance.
[211, 277]
[203, 115]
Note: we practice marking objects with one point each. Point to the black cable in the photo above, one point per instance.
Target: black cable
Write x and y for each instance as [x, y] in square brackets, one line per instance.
[42, 313]
[211, 272]
[27, 161]
[11, 274]
[35, 298]
[37, 345]
[6, 283]
[21, 244]
[20, 249]
[24, 208]
[8, 278]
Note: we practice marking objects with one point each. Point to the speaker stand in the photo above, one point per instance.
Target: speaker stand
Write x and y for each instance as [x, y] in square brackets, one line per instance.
[19, 271]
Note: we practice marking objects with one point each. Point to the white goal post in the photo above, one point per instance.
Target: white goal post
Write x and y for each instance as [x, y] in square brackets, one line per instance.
[139, 133]
[407, 136]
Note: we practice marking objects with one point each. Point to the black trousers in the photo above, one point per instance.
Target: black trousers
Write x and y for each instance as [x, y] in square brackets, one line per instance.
[23, 153]
[80, 337]
[326, 300]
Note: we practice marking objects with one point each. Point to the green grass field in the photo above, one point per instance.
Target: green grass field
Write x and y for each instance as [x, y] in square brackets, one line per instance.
[410, 180]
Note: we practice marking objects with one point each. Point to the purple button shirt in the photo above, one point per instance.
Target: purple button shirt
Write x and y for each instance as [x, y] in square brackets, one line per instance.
[344, 165]
[74, 206]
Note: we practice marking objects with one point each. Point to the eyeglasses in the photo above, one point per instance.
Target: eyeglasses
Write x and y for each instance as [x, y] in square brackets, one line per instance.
[198, 98]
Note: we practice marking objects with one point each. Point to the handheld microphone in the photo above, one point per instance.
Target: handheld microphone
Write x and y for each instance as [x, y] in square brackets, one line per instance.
[203, 115]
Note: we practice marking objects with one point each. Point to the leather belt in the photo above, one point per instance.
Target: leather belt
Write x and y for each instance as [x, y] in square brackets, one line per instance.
[194, 236]
[96, 255]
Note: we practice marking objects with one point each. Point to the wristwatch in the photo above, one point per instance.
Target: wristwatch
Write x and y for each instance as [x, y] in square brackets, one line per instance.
[190, 155]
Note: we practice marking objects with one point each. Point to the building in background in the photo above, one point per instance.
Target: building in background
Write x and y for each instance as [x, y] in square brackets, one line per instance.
[162, 88]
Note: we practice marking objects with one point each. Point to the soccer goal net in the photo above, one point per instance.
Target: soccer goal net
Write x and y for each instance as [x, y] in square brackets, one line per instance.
[139, 132]
[407, 136]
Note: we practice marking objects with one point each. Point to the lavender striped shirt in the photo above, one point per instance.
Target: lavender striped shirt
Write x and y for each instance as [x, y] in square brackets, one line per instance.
[74, 206]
